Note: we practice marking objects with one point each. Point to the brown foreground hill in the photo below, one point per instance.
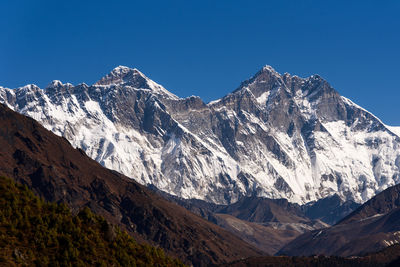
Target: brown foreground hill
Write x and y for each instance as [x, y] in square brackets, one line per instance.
[373, 226]
[56, 171]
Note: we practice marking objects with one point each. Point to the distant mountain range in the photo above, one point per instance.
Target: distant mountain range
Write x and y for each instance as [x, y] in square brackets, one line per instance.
[275, 136]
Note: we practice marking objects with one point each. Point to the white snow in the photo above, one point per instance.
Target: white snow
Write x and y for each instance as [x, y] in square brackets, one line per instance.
[262, 99]
[394, 129]
[190, 164]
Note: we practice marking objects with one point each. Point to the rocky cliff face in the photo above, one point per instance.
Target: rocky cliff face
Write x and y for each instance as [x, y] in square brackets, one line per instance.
[277, 136]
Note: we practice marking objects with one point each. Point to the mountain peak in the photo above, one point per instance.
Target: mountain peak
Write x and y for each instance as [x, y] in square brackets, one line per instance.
[123, 75]
[29, 87]
[268, 68]
[316, 77]
[264, 80]
[121, 68]
[54, 84]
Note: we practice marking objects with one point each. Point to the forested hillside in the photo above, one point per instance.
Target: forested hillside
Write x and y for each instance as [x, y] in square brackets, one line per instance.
[35, 232]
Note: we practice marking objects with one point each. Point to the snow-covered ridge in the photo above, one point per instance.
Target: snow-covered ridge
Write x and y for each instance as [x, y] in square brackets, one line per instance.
[278, 136]
[124, 76]
[394, 129]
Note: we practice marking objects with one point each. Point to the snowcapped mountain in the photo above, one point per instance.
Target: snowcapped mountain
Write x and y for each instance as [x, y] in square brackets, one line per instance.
[277, 136]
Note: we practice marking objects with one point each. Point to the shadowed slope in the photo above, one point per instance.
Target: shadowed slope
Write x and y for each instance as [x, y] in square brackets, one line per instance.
[380, 204]
[373, 226]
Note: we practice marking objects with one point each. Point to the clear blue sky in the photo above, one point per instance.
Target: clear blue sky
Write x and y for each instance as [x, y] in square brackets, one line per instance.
[207, 48]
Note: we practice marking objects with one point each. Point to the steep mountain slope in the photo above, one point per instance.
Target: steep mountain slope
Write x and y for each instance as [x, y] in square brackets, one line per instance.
[382, 203]
[352, 239]
[52, 168]
[277, 136]
[373, 226]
